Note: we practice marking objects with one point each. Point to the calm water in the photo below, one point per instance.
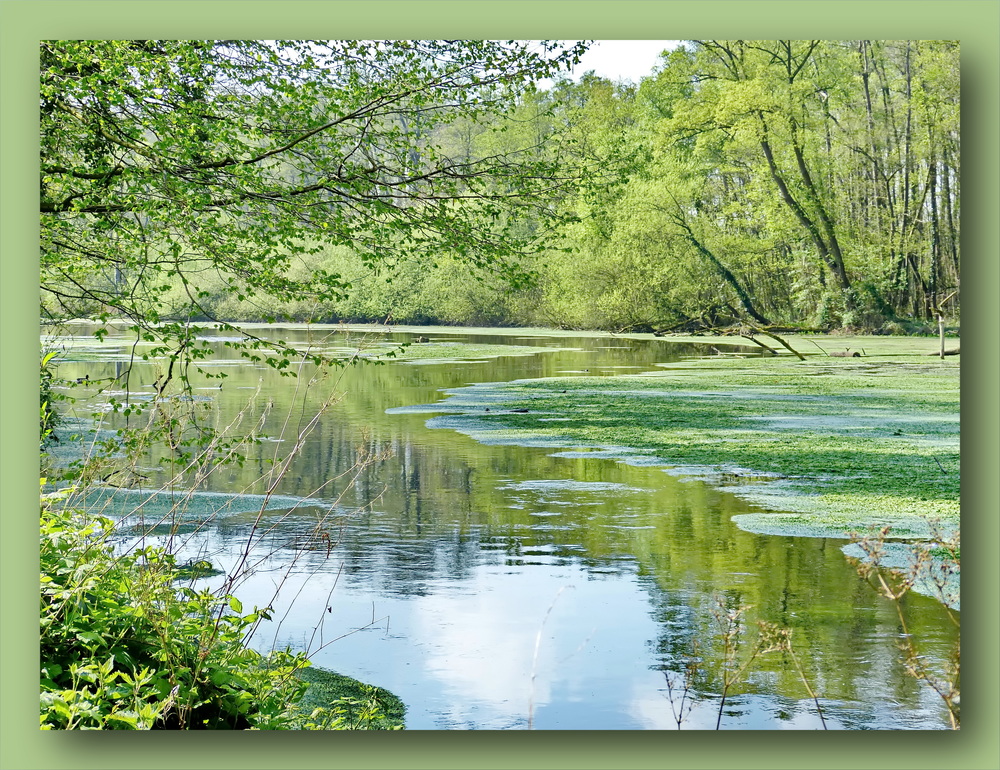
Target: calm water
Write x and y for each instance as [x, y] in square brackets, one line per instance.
[490, 585]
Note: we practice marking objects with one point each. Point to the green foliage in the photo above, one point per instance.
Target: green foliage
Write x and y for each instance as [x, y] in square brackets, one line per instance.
[48, 417]
[806, 182]
[184, 178]
[122, 647]
[814, 181]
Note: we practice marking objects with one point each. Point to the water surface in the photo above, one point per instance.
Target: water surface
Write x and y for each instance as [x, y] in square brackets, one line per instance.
[493, 585]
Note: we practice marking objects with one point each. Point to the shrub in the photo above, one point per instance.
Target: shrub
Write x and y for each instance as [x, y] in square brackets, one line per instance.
[122, 647]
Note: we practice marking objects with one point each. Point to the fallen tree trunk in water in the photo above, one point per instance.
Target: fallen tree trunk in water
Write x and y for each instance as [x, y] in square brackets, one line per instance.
[750, 337]
[774, 336]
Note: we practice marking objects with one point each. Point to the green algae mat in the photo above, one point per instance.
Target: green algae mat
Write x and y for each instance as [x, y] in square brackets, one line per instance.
[359, 706]
[823, 446]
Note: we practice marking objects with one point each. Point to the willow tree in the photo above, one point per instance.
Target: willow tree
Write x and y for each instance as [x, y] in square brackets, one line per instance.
[174, 170]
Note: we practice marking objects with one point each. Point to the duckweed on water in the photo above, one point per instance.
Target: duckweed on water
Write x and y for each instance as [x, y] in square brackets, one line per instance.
[453, 352]
[851, 443]
[361, 706]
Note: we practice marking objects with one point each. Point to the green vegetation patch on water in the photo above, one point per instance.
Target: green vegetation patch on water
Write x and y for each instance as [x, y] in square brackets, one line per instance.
[849, 443]
[195, 569]
[159, 512]
[455, 352]
[361, 706]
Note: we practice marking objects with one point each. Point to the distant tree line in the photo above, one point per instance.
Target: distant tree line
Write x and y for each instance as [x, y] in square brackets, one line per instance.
[803, 183]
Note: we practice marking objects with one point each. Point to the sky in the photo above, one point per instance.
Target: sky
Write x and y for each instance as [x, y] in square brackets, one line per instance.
[622, 59]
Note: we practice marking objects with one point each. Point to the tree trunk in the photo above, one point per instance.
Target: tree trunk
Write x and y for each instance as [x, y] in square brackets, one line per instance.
[836, 260]
[723, 271]
[822, 247]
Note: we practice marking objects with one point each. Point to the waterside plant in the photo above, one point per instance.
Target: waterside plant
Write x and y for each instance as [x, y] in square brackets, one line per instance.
[124, 647]
[129, 638]
[934, 566]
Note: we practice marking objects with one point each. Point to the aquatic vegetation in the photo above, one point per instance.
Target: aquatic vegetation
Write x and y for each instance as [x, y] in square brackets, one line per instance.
[137, 506]
[335, 701]
[841, 443]
[455, 352]
[194, 569]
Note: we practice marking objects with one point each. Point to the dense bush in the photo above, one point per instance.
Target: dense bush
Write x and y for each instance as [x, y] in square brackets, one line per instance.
[124, 647]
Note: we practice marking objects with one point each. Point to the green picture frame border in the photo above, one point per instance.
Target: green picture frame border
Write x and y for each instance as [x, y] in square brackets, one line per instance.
[976, 23]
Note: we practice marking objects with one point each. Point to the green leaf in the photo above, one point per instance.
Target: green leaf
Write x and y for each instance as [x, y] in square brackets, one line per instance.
[124, 718]
[90, 638]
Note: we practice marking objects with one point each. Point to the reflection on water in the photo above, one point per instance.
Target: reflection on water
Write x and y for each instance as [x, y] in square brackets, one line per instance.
[488, 585]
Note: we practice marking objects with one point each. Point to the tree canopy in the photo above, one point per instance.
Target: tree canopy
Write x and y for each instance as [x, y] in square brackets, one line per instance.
[788, 182]
[797, 182]
[176, 171]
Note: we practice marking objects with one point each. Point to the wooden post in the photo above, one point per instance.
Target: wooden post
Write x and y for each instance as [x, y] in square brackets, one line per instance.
[940, 318]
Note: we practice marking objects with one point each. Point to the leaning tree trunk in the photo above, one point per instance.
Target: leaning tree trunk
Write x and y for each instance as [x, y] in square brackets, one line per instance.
[726, 274]
[830, 257]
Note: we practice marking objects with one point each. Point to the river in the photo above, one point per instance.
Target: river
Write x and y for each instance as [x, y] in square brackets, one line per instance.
[499, 586]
